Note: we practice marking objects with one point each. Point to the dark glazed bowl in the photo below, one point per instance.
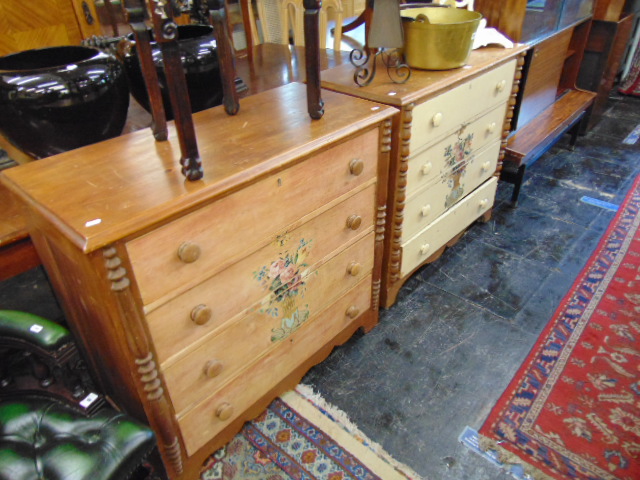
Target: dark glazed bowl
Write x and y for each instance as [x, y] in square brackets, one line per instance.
[199, 56]
[60, 98]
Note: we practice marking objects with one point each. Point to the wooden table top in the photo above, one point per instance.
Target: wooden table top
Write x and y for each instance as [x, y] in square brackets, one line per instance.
[112, 189]
[271, 66]
[422, 83]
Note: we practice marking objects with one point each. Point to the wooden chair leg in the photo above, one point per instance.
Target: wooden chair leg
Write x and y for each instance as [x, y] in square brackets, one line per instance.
[519, 178]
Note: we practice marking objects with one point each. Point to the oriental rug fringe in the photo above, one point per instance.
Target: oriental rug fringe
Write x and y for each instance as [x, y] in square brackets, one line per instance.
[573, 409]
[300, 436]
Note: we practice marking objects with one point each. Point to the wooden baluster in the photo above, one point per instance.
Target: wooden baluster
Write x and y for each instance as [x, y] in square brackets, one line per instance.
[315, 105]
[218, 19]
[136, 11]
[166, 34]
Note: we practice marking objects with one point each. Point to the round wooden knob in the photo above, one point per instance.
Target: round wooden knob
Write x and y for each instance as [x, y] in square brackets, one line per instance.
[437, 119]
[484, 203]
[224, 411]
[354, 268]
[424, 249]
[501, 85]
[426, 210]
[491, 127]
[486, 166]
[188, 252]
[201, 314]
[352, 311]
[213, 368]
[356, 166]
[354, 222]
[426, 168]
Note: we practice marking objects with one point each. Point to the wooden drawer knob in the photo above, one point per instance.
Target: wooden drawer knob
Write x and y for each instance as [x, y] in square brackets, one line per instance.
[424, 249]
[426, 210]
[437, 119]
[484, 203]
[188, 252]
[356, 166]
[491, 127]
[224, 411]
[354, 222]
[213, 368]
[201, 314]
[352, 311]
[426, 168]
[354, 268]
[501, 85]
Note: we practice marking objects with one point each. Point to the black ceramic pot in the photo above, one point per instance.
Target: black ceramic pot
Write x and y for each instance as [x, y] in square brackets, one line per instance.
[197, 47]
[60, 98]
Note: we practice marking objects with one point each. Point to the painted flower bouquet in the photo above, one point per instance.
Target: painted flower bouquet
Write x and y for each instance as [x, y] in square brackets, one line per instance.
[285, 279]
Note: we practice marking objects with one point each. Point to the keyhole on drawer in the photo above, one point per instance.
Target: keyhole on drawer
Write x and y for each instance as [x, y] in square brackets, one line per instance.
[279, 182]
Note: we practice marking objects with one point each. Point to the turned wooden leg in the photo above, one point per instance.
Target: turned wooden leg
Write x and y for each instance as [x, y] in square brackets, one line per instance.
[218, 16]
[315, 105]
[135, 16]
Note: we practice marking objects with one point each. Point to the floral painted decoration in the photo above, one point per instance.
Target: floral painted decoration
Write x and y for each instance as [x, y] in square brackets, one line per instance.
[457, 157]
[285, 278]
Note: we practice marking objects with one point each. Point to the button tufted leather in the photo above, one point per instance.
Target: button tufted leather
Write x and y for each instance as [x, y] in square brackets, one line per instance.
[42, 439]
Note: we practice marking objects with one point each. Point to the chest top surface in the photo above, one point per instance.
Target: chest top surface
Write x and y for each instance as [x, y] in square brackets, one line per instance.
[101, 193]
[423, 83]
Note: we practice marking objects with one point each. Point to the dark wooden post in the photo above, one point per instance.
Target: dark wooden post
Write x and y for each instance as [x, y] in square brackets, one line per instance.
[315, 105]
[218, 16]
[136, 13]
[166, 34]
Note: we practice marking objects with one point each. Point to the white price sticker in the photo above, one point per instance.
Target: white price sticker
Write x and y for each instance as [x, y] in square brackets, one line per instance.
[88, 400]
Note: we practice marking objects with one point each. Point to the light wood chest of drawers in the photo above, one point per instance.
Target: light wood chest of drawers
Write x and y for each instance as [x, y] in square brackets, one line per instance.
[447, 150]
[199, 302]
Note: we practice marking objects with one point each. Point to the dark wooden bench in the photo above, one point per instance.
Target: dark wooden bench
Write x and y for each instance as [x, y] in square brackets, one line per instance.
[530, 142]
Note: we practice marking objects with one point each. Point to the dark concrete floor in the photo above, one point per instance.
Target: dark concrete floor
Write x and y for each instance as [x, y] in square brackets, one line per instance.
[442, 355]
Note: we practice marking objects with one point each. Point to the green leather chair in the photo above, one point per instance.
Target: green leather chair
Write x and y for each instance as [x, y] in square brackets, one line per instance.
[53, 425]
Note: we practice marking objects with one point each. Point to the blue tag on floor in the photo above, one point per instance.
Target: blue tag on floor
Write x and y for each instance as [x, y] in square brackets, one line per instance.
[632, 138]
[600, 203]
[469, 438]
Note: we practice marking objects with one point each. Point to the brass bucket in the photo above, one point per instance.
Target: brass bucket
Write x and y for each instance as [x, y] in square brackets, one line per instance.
[437, 38]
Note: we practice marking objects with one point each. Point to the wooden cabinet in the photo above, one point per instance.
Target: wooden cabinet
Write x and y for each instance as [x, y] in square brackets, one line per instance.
[610, 33]
[446, 152]
[46, 23]
[198, 302]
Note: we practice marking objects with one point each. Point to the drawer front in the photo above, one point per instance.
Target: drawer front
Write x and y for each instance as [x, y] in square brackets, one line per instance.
[197, 313]
[429, 165]
[440, 115]
[207, 419]
[448, 189]
[226, 230]
[246, 340]
[436, 235]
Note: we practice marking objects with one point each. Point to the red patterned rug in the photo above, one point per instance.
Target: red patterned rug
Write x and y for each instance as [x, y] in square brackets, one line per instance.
[631, 85]
[573, 409]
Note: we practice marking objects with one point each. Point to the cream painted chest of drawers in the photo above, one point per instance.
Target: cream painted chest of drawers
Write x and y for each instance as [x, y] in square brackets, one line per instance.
[448, 145]
[197, 303]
